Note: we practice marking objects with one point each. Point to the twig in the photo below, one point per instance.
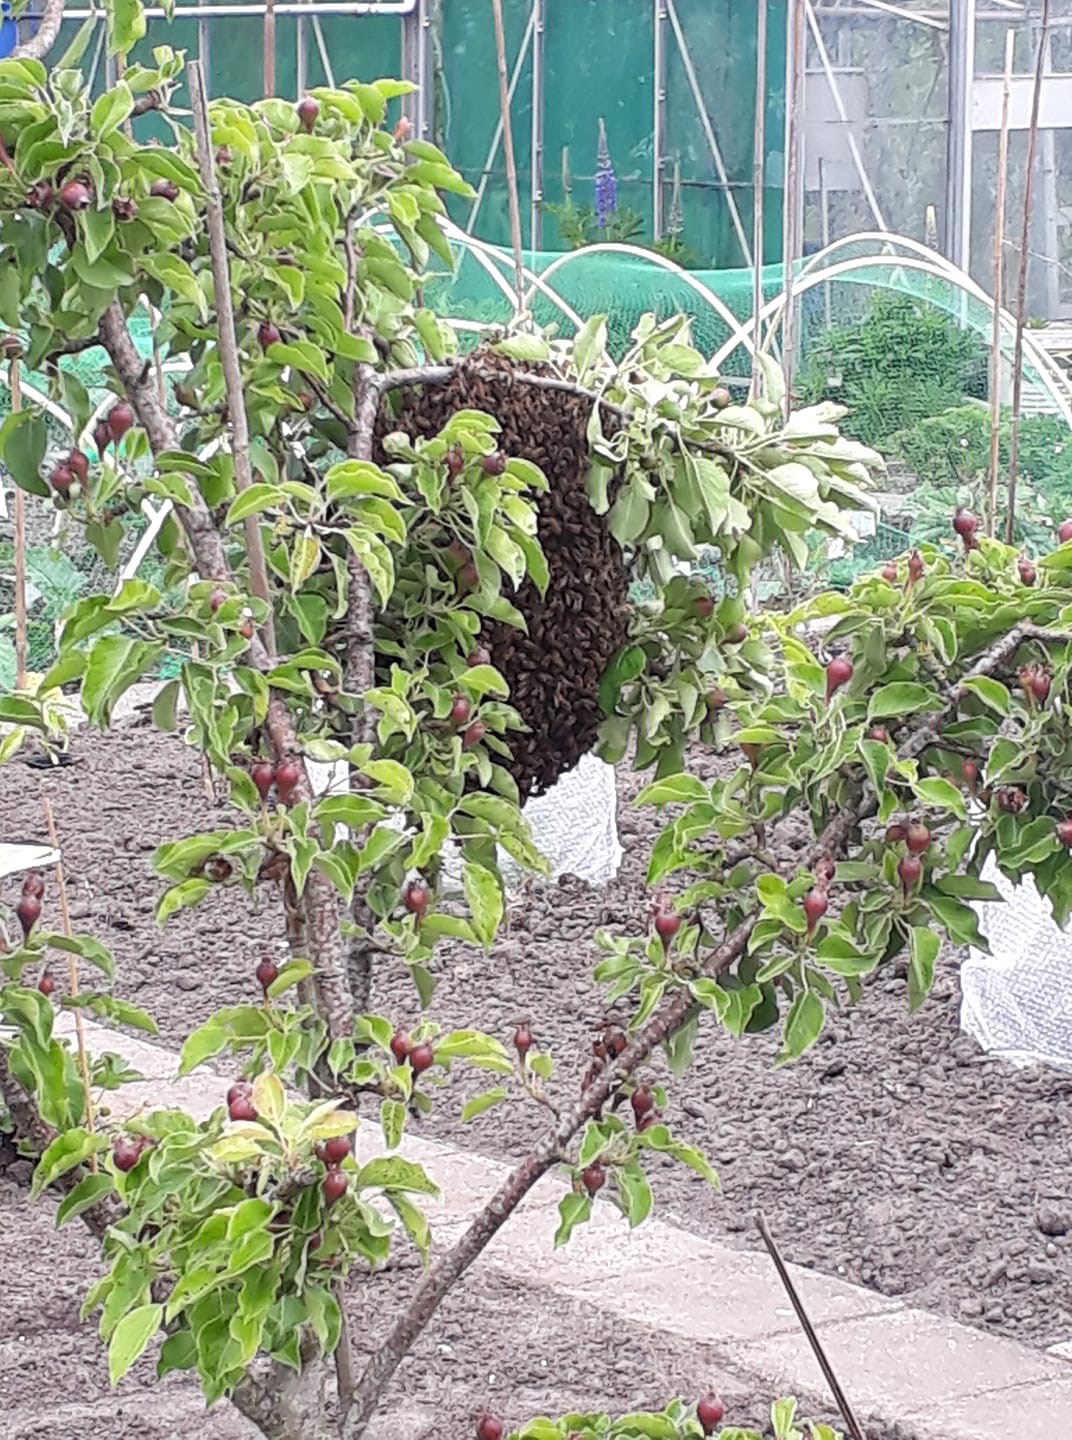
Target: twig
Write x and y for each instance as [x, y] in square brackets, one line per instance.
[839, 1395]
[20, 548]
[1021, 288]
[350, 251]
[42, 41]
[228, 342]
[72, 973]
[508, 150]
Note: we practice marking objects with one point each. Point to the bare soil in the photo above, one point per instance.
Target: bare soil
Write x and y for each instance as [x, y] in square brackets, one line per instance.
[895, 1155]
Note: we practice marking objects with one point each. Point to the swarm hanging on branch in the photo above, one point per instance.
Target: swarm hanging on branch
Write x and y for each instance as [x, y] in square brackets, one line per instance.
[573, 631]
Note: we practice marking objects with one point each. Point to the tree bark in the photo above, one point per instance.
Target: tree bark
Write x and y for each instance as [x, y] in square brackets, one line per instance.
[43, 39]
[285, 1405]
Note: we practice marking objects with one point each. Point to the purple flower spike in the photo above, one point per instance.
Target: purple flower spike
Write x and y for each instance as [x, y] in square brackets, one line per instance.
[606, 184]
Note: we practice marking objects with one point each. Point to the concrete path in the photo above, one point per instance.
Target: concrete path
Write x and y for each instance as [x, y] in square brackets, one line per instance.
[937, 1379]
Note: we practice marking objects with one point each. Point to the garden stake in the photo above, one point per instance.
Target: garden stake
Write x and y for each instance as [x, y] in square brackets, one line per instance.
[999, 287]
[839, 1395]
[20, 550]
[72, 973]
[1021, 287]
[508, 151]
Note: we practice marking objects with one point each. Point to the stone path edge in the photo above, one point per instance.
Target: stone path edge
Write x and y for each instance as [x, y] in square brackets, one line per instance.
[935, 1378]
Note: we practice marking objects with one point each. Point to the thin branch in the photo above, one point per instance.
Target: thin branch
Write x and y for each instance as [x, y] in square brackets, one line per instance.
[508, 150]
[42, 41]
[228, 343]
[840, 1398]
[350, 250]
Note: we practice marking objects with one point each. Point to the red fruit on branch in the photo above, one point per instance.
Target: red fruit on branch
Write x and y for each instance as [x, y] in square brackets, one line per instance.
[268, 334]
[825, 871]
[490, 1427]
[422, 1057]
[1011, 800]
[102, 436]
[119, 420]
[523, 1040]
[889, 572]
[47, 983]
[62, 478]
[416, 898]
[126, 1153]
[216, 600]
[879, 733]
[916, 567]
[814, 906]
[78, 464]
[287, 775]
[1064, 832]
[737, 633]
[164, 190]
[751, 753]
[242, 1108]
[334, 1186]
[970, 774]
[667, 924]
[1028, 573]
[709, 1413]
[918, 837]
[218, 869]
[473, 736]
[263, 776]
[1040, 686]
[481, 655]
[594, 1178]
[704, 607]
[240, 1090]
[494, 464]
[336, 1149]
[455, 461]
[468, 577]
[895, 834]
[267, 973]
[716, 700]
[29, 912]
[75, 196]
[909, 870]
[964, 522]
[460, 710]
[308, 111]
[401, 1045]
[642, 1101]
[1064, 531]
[838, 673]
[33, 885]
[615, 1041]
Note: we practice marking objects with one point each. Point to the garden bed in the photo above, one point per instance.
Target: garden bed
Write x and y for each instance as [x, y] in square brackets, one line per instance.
[895, 1155]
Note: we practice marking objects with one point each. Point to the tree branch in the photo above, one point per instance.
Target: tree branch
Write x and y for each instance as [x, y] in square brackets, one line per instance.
[43, 39]
[228, 343]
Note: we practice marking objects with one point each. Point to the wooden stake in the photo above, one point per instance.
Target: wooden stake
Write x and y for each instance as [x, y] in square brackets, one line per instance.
[794, 155]
[269, 49]
[72, 975]
[1021, 288]
[508, 151]
[228, 341]
[999, 288]
[20, 550]
[759, 177]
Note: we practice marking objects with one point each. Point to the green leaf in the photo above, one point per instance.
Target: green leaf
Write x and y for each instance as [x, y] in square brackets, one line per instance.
[202, 1044]
[126, 25]
[924, 945]
[902, 698]
[392, 1122]
[483, 891]
[301, 356]
[111, 109]
[484, 680]
[87, 947]
[802, 1026]
[573, 1210]
[960, 922]
[991, 692]
[68, 1150]
[130, 1339]
[480, 1103]
[674, 790]
[23, 442]
[115, 663]
[943, 795]
[252, 500]
[88, 1192]
[635, 1192]
[174, 274]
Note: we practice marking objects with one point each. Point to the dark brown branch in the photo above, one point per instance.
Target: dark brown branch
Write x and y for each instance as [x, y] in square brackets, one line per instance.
[42, 41]
[145, 104]
[227, 341]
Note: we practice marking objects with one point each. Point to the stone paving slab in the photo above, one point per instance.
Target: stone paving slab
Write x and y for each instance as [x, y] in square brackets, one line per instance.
[943, 1380]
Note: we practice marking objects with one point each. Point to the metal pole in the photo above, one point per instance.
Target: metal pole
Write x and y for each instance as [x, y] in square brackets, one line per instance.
[539, 20]
[290, 7]
[958, 192]
[999, 287]
[658, 129]
[794, 183]
[508, 150]
[708, 129]
[824, 221]
[301, 58]
[1021, 288]
[204, 44]
[269, 48]
[759, 178]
